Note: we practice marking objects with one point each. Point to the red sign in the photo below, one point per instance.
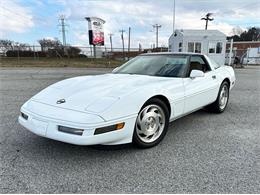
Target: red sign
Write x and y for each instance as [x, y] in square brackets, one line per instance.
[96, 31]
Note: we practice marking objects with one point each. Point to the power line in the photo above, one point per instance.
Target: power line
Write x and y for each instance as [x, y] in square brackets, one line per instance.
[243, 23]
[27, 18]
[22, 16]
[247, 5]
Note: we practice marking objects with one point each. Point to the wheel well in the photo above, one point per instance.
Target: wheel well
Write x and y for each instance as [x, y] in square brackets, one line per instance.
[165, 100]
[228, 81]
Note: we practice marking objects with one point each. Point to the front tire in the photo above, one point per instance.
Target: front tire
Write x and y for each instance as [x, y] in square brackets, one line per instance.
[223, 96]
[151, 124]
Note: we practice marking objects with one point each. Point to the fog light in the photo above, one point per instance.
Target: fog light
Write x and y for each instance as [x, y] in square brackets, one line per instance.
[70, 130]
[25, 116]
[109, 128]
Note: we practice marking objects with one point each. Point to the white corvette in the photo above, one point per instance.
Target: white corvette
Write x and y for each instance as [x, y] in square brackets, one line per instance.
[134, 103]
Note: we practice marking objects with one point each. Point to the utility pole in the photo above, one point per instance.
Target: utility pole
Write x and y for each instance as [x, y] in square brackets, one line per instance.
[110, 38]
[63, 28]
[207, 18]
[173, 17]
[129, 34]
[230, 52]
[157, 26]
[122, 37]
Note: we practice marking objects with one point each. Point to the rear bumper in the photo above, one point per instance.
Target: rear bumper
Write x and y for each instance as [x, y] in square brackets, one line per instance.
[48, 127]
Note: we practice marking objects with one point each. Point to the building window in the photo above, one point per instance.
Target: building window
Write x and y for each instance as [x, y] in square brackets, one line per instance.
[197, 47]
[170, 47]
[215, 47]
[194, 47]
[190, 46]
[212, 47]
[219, 47]
[180, 47]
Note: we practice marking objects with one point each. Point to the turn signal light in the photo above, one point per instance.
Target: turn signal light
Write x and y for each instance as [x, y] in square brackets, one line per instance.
[120, 126]
[109, 128]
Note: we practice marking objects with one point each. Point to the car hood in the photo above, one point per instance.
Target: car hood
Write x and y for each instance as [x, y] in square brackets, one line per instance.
[94, 93]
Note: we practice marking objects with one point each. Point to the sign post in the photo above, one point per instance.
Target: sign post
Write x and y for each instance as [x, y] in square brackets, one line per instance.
[95, 32]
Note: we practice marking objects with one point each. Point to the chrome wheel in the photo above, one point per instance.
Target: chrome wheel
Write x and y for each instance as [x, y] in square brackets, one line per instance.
[223, 97]
[150, 123]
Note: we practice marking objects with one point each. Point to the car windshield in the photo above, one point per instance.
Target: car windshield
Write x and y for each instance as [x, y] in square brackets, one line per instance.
[213, 63]
[155, 65]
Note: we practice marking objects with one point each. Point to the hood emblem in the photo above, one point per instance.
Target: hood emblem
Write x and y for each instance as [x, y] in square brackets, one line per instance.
[61, 101]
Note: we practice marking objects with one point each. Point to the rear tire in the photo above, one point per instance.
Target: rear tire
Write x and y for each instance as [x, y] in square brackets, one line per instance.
[223, 96]
[151, 124]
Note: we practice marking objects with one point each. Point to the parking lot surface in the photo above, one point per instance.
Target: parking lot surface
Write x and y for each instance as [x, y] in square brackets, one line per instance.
[201, 153]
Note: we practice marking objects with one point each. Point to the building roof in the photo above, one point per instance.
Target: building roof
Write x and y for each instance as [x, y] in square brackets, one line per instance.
[189, 32]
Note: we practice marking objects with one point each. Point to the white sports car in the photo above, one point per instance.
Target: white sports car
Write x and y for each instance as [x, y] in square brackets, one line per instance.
[134, 103]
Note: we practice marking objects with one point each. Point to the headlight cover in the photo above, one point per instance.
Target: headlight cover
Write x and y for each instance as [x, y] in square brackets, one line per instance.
[102, 104]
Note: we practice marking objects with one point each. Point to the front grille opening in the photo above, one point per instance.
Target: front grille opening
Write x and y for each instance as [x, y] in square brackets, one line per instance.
[70, 130]
[25, 116]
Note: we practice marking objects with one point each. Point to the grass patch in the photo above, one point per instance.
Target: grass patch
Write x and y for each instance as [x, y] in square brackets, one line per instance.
[56, 62]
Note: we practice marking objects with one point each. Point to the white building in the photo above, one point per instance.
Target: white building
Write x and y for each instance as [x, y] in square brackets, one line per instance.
[252, 56]
[209, 42]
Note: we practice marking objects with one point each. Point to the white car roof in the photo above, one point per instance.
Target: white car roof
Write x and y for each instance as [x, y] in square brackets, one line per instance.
[172, 53]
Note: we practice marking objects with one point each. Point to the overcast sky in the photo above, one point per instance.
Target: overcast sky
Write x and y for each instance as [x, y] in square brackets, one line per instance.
[30, 20]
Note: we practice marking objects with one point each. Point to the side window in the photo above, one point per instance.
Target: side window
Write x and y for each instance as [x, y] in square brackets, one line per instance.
[199, 63]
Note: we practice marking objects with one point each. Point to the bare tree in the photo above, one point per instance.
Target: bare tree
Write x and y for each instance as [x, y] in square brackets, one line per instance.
[6, 44]
[24, 47]
[252, 34]
[237, 31]
[49, 44]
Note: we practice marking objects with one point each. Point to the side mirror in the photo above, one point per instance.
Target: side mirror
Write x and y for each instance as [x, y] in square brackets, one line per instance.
[196, 73]
[115, 69]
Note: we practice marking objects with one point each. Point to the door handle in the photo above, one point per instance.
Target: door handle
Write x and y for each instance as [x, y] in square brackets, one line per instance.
[214, 77]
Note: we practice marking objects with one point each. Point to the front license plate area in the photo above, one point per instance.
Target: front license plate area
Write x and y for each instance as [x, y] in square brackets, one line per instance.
[40, 126]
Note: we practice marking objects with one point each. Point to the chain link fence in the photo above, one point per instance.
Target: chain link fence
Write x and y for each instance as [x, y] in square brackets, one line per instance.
[100, 56]
[247, 56]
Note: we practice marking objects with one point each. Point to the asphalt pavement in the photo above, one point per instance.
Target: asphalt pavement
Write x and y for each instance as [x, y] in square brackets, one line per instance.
[201, 153]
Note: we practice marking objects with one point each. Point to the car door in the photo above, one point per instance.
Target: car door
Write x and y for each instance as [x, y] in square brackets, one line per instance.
[199, 91]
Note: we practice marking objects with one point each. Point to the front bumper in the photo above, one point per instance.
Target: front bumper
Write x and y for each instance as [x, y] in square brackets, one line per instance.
[47, 127]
